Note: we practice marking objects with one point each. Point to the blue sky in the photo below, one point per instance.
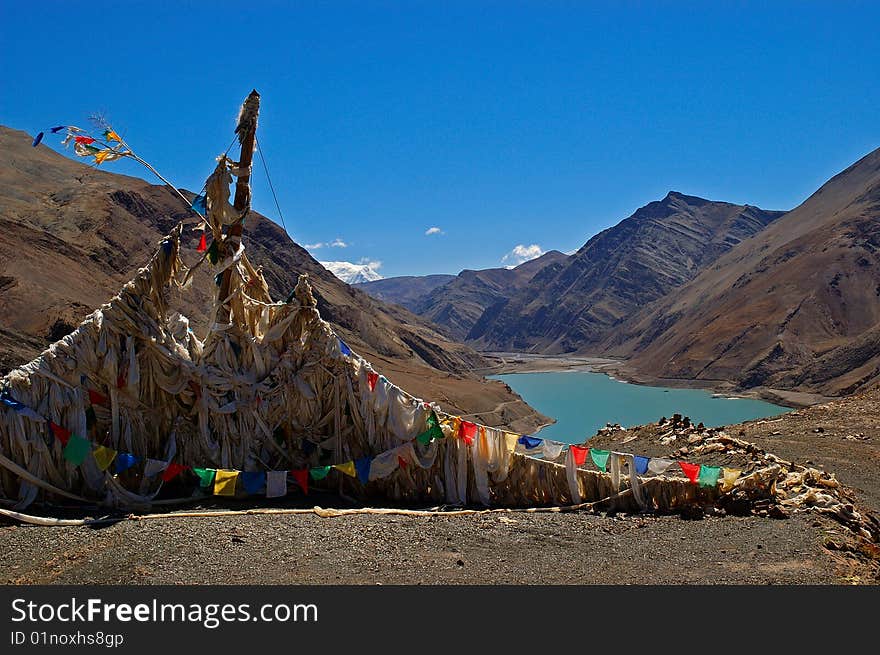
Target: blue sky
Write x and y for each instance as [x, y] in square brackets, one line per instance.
[499, 124]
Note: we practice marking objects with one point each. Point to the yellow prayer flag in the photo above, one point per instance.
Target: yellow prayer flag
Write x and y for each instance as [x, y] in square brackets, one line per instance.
[112, 136]
[106, 155]
[730, 477]
[104, 457]
[224, 482]
[510, 440]
[484, 443]
[347, 468]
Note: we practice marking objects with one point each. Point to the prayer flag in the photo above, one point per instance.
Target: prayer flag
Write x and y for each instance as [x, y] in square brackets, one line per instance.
[347, 468]
[213, 252]
[692, 471]
[276, 483]
[84, 139]
[224, 482]
[91, 417]
[433, 431]
[106, 155]
[401, 462]
[203, 243]
[153, 467]
[730, 478]
[37, 140]
[76, 450]
[302, 479]
[580, 454]
[344, 349]
[709, 475]
[510, 440]
[362, 465]
[529, 442]
[103, 457]
[319, 472]
[96, 398]
[206, 476]
[62, 434]
[467, 431]
[658, 465]
[57, 129]
[372, 379]
[200, 205]
[599, 457]
[641, 464]
[110, 135]
[21, 408]
[253, 481]
[125, 461]
[174, 469]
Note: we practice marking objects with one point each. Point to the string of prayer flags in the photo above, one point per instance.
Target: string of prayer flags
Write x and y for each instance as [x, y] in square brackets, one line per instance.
[205, 476]
[302, 479]
[709, 476]
[347, 468]
[692, 471]
[224, 482]
[730, 478]
[467, 431]
[125, 461]
[344, 349]
[62, 434]
[658, 465]
[641, 464]
[77, 449]
[529, 442]
[172, 471]
[97, 398]
[103, 457]
[372, 379]
[362, 466]
[319, 472]
[276, 482]
[599, 457]
[153, 467]
[253, 481]
[579, 454]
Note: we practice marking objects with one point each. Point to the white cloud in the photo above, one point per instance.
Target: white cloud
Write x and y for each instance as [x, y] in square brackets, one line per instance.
[521, 253]
[350, 273]
[336, 243]
[433, 230]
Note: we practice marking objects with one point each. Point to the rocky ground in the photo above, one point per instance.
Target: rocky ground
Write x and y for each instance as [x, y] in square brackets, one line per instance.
[514, 548]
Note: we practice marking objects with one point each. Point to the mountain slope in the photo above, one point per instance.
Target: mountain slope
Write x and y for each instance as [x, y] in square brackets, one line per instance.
[71, 235]
[406, 290]
[457, 305]
[797, 306]
[660, 247]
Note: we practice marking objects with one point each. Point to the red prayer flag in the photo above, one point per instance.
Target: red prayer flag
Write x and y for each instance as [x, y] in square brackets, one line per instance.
[120, 382]
[401, 462]
[84, 139]
[467, 431]
[203, 243]
[62, 434]
[302, 479]
[372, 379]
[96, 398]
[172, 471]
[692, 471]
[579, 454]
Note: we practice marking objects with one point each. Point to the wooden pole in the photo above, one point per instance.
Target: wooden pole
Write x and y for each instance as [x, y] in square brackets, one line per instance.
[247, 137]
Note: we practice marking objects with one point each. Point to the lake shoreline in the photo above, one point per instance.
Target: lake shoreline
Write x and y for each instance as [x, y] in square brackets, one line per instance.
[505, 363]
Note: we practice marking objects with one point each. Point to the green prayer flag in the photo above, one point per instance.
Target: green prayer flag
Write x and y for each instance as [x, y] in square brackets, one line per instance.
[213, 252]
[319, 472]
[599, 457]
[709, 475]
[76, 450]
[433, 432]
[206, 476]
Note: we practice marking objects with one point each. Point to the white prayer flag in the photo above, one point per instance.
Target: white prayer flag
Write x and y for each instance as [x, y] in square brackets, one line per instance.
[276, 484]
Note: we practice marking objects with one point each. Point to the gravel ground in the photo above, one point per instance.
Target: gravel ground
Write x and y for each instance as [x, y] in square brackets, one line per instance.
[494, 548]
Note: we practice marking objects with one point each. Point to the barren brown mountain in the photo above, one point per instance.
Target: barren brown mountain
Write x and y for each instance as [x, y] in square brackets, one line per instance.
[573, 307]
[71, 235]
[797, 306]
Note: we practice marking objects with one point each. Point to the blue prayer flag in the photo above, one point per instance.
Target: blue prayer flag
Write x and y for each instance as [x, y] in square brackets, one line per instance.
[58, 128]
[124, 461]
[37, 140]
[253, 481]
[530, 442]
[344, 348]
[200, 204]
[362, 466]
[641, 464]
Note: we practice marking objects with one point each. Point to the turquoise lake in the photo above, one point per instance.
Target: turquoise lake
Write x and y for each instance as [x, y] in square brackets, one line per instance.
[583, 402]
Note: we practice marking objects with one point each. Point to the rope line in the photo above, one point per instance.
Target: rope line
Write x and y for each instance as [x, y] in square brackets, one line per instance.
[271, 186]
